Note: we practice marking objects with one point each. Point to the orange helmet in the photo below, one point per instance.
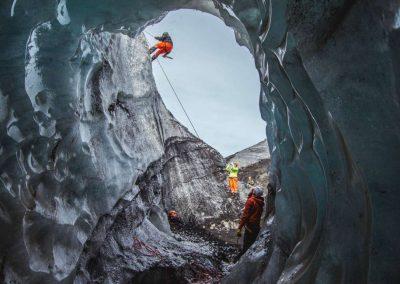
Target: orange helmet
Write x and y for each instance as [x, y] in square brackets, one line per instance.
[172, 214]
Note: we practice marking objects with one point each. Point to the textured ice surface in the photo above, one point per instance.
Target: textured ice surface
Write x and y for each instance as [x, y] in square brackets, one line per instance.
[69, 91]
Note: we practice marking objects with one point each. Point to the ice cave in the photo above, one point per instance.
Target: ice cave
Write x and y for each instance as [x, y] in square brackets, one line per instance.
[91, 159]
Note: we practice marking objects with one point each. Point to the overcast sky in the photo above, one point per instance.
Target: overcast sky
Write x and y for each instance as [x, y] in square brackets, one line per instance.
[215, 79]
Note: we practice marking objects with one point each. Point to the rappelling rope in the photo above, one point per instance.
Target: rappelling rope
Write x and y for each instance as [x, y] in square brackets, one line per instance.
[141, 246]
[150, 34]
[176, 95]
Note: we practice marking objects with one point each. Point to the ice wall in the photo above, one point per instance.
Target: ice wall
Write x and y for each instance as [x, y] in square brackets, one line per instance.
[329, 97]
[88, 150]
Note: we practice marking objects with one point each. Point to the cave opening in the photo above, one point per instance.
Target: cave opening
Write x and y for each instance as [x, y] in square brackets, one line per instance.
[215, 78]
[189, 176]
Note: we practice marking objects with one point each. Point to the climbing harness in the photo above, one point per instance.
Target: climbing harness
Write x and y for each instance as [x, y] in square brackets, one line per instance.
[140, 246]
[176, 95]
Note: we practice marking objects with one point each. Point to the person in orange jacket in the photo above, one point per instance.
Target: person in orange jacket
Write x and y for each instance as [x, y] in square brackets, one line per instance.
[251, 218]
[164, 46]
[233, 171]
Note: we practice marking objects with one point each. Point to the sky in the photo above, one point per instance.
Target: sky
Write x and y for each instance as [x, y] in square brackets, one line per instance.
[214, 77]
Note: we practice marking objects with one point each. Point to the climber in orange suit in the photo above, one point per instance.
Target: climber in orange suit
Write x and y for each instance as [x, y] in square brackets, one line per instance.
[233, 170]
[164, 47]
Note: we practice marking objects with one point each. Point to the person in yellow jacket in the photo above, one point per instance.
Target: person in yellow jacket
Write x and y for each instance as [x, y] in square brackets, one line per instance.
[233, 170]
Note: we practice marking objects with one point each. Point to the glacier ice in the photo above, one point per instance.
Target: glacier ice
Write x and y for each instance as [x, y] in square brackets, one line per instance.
[71, 86]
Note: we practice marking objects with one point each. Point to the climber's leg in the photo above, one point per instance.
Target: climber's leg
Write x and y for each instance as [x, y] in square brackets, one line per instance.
[158, 53]
[230, 184]
[235, 185]
[152, 49]
[250, 236]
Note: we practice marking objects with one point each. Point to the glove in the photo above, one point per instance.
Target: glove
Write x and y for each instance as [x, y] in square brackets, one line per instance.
[239, 233]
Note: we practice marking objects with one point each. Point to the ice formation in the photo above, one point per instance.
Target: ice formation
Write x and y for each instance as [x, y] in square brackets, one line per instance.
[70, 88]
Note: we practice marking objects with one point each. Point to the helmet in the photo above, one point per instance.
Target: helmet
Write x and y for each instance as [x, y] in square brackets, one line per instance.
[172, 214]
[165, 34]
[258, 191]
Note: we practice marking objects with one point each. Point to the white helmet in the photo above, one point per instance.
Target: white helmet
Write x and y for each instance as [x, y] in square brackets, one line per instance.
[257, 191]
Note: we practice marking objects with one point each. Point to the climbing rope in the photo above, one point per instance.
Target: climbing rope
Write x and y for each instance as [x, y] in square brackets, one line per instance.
[150, 34]
[176, 95]
[141, 246]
